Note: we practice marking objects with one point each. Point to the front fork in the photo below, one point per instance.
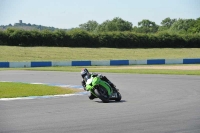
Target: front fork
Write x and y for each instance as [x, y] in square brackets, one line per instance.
[92, 91]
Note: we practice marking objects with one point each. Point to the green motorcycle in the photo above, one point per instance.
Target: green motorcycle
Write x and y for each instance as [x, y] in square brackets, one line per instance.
[102, 89]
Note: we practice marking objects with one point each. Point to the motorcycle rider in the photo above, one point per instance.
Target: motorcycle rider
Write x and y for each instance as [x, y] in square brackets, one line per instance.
[85, 74]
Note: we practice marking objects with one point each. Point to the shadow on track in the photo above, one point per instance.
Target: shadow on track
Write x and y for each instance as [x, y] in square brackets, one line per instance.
[122, 101]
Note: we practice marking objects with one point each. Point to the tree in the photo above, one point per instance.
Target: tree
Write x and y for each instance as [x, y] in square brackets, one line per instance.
[147, 26]
[89, 26]
[103, 27]
[146, 23]
[162, 28]
[196, 27]
[182, 25]
[121, 25]
[167, 22]
[117, 24]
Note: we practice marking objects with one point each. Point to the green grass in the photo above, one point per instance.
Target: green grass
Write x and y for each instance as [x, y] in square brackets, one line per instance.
[12, 53]
[11, 90]
[133, 69]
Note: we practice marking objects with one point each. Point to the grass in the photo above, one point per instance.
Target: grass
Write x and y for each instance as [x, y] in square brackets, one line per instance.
[133, 69]
[11, 90]
[13, 53]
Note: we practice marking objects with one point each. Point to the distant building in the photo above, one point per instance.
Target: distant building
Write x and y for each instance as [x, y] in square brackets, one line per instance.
[20, 23]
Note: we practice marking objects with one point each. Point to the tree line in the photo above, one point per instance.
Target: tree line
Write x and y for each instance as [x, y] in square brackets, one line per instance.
[115, 33]
[181, 26]
[82, 38]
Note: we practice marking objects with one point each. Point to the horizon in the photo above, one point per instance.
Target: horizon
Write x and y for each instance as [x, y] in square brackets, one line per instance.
[66, 14]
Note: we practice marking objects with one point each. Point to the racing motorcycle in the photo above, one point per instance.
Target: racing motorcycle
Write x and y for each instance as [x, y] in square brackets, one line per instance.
[101, 89]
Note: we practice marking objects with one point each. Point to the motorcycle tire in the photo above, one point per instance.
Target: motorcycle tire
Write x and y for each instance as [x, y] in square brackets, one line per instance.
[119, 97]
[102, 94]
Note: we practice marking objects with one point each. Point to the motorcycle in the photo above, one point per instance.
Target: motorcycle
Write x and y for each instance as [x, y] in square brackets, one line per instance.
[102, 89]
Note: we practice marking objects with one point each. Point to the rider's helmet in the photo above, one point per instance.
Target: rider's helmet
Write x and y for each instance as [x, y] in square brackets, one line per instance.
[84, 72]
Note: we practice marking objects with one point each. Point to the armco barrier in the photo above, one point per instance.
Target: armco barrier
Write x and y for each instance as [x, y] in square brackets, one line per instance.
[191, 61]
[156, 61]
[119, 62]
[4, 64]
[98, 63]
[41, 64]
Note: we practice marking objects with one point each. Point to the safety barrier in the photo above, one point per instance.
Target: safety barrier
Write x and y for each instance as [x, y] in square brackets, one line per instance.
[98, 63]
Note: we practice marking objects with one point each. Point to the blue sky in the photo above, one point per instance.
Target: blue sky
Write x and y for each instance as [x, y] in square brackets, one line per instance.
[70, 13]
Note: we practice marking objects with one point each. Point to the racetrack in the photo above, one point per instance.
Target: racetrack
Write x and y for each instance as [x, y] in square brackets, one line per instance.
[150, 104]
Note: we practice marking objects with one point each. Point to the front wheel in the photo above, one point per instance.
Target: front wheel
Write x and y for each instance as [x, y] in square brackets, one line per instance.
[119, 97]
[102, 94]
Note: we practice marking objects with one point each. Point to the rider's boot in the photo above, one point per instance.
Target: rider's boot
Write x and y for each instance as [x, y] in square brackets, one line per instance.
[91, 96]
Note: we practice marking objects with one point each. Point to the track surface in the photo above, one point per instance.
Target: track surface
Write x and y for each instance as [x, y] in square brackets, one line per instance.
[150, 104]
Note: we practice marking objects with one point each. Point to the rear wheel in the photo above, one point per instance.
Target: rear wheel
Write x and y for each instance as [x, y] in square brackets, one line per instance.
[102, 93]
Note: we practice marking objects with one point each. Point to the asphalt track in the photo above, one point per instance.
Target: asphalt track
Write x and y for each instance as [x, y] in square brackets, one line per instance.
[150, 104]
